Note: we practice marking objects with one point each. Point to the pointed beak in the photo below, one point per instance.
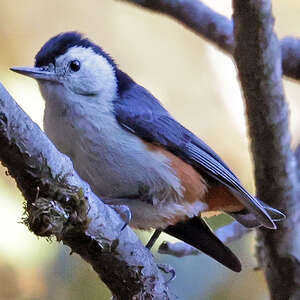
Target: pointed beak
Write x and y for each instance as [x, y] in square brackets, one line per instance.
[36, 73]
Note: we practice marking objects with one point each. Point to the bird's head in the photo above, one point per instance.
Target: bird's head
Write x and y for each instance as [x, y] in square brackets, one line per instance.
[69, 66]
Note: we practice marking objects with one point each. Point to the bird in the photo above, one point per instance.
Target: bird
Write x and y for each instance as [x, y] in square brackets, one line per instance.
[132, 152]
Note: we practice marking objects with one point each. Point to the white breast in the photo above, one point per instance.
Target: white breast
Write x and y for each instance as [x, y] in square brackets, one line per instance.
[116, 163]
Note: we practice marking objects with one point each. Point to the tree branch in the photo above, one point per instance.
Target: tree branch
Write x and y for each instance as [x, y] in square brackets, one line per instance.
[231, 232]
[258, 58]
[59, 203]
[197, 17]
[217, 29]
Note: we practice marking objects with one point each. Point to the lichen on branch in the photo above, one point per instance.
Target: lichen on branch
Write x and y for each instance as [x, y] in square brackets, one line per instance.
[59, 203]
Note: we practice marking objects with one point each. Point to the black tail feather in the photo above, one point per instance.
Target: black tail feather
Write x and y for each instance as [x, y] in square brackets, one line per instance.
[197, 233]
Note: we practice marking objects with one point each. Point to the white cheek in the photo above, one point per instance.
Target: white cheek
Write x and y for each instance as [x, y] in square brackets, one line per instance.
[95, 77]
[84, 83]
[102, 76]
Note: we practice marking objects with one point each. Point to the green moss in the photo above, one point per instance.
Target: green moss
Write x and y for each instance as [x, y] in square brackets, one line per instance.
[59, 211]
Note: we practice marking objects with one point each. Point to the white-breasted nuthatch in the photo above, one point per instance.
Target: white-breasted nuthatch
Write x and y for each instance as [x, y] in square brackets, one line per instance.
[132, 152]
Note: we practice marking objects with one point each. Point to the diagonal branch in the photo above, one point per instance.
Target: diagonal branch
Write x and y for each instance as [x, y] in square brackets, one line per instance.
[60, 204]
[258, 58]
[217, 29]
[196, 16]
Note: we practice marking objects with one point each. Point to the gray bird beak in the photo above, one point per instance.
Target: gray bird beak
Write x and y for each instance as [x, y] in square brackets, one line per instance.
[36, 73]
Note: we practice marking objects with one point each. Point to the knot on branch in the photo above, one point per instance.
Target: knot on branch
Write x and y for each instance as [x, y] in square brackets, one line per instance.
[63, 212]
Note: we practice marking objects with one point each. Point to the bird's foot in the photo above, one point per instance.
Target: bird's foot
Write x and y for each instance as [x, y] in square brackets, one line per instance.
[124, 212]
[167, 269]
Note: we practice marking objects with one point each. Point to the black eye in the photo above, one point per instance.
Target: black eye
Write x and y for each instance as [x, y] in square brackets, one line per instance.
[75, 65]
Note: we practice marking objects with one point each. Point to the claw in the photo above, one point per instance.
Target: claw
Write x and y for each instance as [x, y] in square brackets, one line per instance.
[168, 269]
[124, 212]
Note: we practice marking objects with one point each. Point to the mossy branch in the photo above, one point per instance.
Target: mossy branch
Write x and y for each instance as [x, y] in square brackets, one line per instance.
[60, 204]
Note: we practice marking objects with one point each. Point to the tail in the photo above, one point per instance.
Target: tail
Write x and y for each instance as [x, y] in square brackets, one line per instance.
[250, 220]
[196, 232]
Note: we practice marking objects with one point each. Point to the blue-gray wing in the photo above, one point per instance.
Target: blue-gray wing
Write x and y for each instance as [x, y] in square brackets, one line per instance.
[142, 114]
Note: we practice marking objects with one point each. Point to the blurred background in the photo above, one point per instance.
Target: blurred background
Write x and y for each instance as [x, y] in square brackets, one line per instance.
[198, 85]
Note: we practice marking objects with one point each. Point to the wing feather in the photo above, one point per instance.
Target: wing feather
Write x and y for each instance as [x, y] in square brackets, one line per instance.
[142, 114]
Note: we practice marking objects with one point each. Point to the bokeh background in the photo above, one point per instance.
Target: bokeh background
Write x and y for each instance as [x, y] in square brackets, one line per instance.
[196, 82]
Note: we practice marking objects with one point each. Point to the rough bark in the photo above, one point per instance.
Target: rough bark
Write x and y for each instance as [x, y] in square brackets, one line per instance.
[218, 29]
[60, 204]
[258, 59]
